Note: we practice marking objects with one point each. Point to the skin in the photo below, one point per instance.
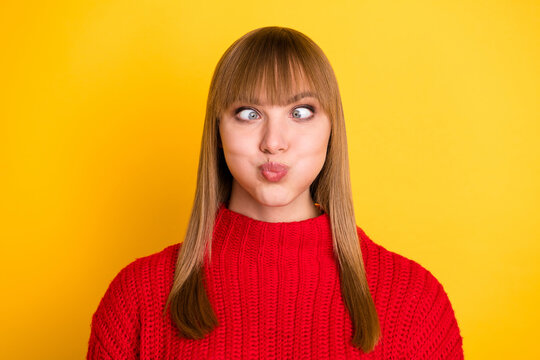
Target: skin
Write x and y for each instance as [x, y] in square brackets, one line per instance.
[284, 134]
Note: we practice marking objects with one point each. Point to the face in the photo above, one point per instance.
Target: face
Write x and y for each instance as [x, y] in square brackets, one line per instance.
[295, 135]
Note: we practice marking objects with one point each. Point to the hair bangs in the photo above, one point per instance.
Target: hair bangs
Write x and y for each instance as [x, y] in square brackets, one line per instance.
[274, 71]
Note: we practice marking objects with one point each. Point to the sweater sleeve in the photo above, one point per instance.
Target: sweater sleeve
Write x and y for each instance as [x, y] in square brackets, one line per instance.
[115, 329]
[435, 331]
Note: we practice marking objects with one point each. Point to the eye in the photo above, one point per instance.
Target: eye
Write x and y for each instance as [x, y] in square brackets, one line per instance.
[248, 112]
[301, 113]
[304, 112]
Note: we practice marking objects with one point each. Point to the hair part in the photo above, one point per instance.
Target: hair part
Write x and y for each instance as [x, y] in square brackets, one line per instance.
[271, 63]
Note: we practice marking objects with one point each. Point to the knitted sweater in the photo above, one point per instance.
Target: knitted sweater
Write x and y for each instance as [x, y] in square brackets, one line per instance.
[275, 290]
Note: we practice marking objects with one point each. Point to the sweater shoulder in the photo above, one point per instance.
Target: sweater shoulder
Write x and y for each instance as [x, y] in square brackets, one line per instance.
[136, 280]
[397, 281]
[115, 328]
[381, 262]
[158, 262]
[426, 318]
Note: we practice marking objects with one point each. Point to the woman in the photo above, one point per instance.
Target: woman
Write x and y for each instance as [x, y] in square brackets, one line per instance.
[273, 264]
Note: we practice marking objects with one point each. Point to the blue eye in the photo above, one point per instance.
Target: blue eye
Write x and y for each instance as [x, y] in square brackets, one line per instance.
[304, 112]
[251, 114]
[298, 114]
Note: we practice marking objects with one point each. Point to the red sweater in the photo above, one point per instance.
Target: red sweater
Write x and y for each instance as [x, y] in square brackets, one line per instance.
[275, 290]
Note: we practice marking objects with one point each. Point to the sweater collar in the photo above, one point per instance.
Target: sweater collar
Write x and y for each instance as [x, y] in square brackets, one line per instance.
[313, 235]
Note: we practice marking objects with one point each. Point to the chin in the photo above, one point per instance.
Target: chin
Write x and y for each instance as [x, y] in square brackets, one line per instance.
[274, 199]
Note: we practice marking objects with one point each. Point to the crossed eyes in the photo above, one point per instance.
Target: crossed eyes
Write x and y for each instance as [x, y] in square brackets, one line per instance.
[297, 113]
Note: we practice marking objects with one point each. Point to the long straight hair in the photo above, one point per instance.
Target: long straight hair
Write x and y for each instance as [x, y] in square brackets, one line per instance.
[272, 59]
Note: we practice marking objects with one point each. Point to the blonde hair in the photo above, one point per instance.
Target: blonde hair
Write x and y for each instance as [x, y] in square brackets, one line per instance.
[247, 66]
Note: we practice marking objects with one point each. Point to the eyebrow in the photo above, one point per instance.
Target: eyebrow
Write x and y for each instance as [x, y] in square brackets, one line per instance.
[301, 96]
[295, 98]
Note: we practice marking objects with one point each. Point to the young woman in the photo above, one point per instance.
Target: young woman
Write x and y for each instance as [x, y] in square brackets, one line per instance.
[273, 265]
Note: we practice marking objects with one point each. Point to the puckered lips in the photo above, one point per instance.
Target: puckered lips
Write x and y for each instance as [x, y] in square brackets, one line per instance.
[273, 171]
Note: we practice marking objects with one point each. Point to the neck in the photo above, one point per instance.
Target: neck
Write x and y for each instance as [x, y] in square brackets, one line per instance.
[301, 208]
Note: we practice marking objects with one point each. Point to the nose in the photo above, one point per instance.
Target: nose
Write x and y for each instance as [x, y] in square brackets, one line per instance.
[275, 135]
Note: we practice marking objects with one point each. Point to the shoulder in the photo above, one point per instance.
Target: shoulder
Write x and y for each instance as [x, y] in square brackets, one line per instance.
[116, 323]
[134, 281]
[396, 279]
[410, 298]
[151, 265]
[385, 265]
[155, 263]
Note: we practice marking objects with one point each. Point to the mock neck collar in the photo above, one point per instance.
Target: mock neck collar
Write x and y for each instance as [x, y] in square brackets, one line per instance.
[311, 235]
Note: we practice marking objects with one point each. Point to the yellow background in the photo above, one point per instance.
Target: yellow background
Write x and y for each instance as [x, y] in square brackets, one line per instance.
[102, 109]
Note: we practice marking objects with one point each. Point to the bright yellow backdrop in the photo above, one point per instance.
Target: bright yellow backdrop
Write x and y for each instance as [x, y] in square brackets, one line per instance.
[102, 109]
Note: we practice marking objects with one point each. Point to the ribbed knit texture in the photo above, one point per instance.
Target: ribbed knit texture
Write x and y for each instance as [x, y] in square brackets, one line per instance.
[276, 293]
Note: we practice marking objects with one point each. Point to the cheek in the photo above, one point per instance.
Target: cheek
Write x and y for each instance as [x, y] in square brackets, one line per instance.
[234, 140]
[238, 154]
[313, 146]
[311, 157]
